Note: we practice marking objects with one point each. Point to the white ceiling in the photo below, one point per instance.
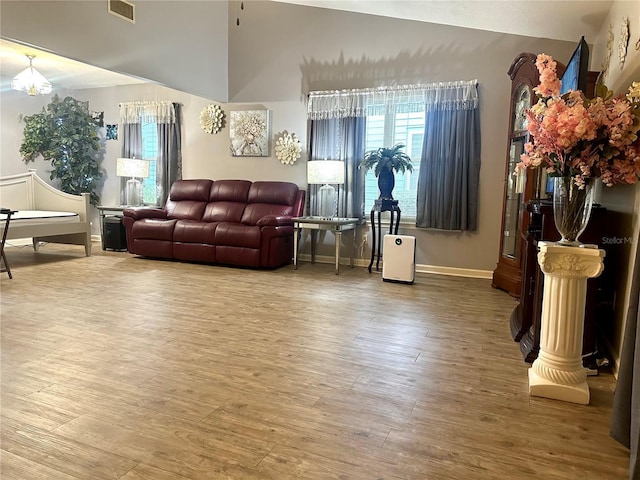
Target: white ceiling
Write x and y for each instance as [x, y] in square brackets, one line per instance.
[555, 19]
[61, 72]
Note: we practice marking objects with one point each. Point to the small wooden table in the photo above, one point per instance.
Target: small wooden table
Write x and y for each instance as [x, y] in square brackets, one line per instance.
[335, 224]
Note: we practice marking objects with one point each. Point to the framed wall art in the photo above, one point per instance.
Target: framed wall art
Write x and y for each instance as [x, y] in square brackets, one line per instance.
[112, 132]
[98, 117]
[288, 148]
[249, 133]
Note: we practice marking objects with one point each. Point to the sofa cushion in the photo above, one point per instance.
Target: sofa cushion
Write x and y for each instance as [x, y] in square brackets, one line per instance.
[269, 198]
[185, 209]
[230, 191]
[153, 229]
[194, 252]
[188, 198]
[194, 231]
[151, 248]
[280, 193]
[244, 257]
[237, 235]
[197, 190]
[223, 212]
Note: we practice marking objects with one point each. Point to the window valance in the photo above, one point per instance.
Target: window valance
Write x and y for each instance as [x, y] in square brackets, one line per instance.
[147, 112]
[462, 95]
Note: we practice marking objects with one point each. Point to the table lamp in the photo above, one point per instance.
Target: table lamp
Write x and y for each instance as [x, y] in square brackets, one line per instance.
[326, 173]
[133, 168]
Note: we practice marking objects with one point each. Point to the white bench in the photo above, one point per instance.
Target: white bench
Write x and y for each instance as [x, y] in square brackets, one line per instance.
[44, 213]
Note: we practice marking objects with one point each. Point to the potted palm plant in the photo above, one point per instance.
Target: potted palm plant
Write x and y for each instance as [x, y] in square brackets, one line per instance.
[385, 161]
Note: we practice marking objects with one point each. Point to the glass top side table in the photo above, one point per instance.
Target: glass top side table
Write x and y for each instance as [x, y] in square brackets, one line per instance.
[335, 224]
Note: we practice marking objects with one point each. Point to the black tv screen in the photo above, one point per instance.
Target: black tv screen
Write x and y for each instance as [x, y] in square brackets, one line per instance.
[575, 75]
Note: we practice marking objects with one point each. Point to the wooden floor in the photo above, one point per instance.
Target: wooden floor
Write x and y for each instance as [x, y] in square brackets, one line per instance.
[117, 367]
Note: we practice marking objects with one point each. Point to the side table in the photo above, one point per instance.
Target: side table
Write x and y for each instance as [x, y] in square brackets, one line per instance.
[108, 211]
[335, 224]
[382, 205]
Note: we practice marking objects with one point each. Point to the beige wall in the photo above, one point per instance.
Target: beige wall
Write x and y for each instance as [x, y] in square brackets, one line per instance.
[280, 52]
[618, 79]
[204, 155]
[622, 201]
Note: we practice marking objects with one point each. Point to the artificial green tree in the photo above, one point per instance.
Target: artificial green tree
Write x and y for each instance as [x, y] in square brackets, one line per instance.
[66, 134]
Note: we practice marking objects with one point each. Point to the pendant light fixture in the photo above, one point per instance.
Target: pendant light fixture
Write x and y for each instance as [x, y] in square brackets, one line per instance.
[31, 81]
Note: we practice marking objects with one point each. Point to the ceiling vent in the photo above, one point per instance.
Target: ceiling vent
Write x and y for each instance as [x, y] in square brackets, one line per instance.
[123, 9]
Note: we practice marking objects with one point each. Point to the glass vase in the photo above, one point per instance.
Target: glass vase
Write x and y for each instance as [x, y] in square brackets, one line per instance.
[571, 208]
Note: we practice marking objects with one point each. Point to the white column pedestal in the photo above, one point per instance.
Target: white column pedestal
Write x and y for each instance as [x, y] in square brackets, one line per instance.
[558, 372]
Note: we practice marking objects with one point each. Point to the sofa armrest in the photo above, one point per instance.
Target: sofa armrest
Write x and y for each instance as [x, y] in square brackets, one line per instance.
[144, 212]
[274, 221]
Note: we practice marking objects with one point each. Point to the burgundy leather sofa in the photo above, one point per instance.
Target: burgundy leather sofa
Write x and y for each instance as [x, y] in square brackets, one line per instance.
[231, 222]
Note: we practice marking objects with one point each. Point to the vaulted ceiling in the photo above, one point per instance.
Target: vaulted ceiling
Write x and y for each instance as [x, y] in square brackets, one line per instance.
[556, 19]
[60, 71]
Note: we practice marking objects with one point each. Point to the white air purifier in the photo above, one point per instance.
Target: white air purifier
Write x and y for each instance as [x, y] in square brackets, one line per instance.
[399, 259]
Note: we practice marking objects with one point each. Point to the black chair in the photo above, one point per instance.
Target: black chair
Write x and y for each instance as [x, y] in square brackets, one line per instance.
[4, 265]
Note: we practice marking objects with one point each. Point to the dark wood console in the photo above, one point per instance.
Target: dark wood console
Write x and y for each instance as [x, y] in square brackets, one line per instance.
[525, 319]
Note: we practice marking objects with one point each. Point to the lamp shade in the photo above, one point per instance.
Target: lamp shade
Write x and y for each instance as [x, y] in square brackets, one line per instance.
[132, 167]
[31, 81]
[325, 172]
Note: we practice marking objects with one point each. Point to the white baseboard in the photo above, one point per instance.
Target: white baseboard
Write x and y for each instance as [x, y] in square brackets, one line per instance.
[432, 269]
[454, 271]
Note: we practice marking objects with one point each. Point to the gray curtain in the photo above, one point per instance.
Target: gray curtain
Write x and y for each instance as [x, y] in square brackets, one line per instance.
[449, 170]
[166, 116]
[169, 163]
[625, 419]
[340, 139]
[131, 148]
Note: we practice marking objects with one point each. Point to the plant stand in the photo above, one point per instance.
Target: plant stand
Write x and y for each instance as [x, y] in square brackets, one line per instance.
[379, 206]
[558, 372]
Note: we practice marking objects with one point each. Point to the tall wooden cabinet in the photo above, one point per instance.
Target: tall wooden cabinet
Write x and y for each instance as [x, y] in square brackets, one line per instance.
[518, 190]
[527, 218]
[529, 185]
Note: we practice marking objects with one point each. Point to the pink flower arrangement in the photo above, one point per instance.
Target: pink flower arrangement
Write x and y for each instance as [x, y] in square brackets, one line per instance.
[573, 136]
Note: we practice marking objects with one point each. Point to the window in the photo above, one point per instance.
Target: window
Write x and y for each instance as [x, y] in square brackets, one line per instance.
[150, 152]
[151, 130]
[386, 131]
[391, 114]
